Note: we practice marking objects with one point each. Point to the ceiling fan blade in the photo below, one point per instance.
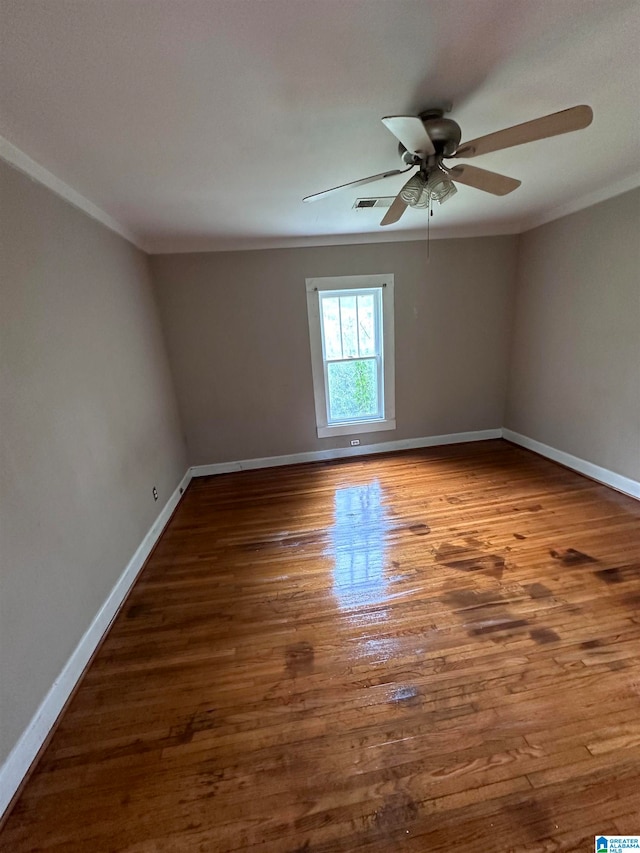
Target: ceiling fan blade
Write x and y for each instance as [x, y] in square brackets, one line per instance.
[411, 132]
[565, 121]
[394, 213]
[360, 181]
[481, 179]
[397, 208]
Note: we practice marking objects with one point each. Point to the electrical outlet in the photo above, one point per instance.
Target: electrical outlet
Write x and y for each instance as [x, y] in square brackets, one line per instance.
[355, 442]
[155, 494]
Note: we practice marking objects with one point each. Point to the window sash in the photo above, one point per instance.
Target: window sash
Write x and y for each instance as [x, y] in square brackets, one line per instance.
[356, 284]
[376, 293]
[378, 414]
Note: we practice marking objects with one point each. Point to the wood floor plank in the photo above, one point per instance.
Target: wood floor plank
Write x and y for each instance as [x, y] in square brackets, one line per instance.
[428, 650]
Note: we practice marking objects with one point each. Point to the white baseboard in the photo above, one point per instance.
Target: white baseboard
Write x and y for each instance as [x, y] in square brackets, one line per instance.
[342, 452]
[596, 472]
[26, 749]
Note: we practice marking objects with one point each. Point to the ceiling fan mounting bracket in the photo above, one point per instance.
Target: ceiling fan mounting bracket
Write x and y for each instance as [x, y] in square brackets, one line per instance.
[434, 112]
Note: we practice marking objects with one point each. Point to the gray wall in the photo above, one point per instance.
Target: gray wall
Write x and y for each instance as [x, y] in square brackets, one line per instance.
[575, 359]
[88, 424]
[238, 338]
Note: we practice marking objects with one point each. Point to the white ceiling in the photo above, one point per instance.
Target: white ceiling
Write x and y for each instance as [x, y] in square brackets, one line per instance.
[201, 124]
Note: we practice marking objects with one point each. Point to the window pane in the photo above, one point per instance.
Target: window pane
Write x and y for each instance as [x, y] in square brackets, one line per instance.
[349, 327]
[331, 327]
[353, 389]
[366, 325]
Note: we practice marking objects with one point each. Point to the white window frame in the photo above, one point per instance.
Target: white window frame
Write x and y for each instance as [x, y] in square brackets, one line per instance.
[314, 287]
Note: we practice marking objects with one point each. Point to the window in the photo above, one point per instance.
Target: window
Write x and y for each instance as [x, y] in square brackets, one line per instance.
[351, 334]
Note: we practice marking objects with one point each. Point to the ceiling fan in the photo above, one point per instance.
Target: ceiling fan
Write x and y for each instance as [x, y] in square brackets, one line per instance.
[427, 140]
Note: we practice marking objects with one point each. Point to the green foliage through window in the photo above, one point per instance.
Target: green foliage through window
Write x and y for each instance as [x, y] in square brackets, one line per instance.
[353, 389]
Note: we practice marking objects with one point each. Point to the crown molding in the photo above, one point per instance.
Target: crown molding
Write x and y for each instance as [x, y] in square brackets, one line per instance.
[187, 245]
[190, 245]
[13, 155]
[630, 182]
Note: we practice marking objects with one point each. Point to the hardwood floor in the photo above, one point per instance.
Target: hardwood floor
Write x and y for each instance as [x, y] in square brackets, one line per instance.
[422, 651]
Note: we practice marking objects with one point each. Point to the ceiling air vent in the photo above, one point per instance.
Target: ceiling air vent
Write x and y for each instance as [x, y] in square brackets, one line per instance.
[365, 203]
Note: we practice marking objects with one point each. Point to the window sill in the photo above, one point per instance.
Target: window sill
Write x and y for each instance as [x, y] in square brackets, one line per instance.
[359, 428]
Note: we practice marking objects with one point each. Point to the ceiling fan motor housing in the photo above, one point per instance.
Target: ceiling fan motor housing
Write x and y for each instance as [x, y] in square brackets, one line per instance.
[445, 133]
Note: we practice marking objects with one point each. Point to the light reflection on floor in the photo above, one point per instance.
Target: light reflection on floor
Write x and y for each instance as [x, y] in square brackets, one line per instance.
[357, 545]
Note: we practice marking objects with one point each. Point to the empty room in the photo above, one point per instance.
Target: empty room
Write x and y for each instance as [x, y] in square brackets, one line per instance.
[319, 426]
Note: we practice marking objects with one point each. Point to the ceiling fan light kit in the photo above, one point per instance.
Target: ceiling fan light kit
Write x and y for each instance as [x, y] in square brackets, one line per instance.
[440, 186]
[426, 140]
[412, 190]
[419, 190]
